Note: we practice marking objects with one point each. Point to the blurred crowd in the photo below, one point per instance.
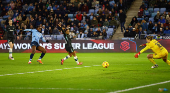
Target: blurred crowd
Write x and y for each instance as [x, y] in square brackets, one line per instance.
[78, 15]
[153, 18]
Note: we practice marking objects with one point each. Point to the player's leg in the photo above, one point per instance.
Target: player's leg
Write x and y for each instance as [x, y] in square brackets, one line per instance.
[40, 48]
[165, 59]
[68, 56]
[32, 53]
[150, 57]
[76, 59]
[11, 44]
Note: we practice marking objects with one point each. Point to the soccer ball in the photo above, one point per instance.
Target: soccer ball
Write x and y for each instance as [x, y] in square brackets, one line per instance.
[105, 64]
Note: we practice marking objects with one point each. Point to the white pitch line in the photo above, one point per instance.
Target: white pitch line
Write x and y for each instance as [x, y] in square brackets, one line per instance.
[58, 69]
[1, 75]
[77, 67]
[20, 73]
[9, 74]
[39, 71]
[87, 66]
[48, 70]
[96, 65]
[29, 72]
[125, 90]
[31, 88]
[66, 68]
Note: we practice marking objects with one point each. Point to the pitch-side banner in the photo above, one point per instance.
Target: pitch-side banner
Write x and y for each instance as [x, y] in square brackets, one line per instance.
[81, 46]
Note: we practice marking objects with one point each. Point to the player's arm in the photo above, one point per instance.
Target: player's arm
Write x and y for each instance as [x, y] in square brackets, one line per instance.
[142, 45]
[60, 28]
[143, 50]
[44, 39]
[28, 30]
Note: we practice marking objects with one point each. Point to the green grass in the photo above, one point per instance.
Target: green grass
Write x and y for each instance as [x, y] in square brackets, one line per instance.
[124, 72]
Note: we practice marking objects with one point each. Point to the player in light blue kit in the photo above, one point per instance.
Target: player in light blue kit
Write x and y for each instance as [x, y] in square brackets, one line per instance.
[36, 36]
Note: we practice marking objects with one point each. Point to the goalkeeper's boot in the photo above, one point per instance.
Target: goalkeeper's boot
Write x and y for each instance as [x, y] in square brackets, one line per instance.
[155, 66]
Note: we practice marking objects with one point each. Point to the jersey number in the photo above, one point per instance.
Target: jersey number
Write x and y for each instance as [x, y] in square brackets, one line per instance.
[159, 45]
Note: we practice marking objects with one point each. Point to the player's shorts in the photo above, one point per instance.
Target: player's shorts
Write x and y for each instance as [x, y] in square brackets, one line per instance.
[10, 39]
[69, 48]
[34, 43]
[163, 55]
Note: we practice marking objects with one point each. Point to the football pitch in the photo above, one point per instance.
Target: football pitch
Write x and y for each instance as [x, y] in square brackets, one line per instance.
[125, 74]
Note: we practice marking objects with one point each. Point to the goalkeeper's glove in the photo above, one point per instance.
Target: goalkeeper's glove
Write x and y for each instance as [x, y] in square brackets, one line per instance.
[136, 56]
[47, 41]
[142, 45]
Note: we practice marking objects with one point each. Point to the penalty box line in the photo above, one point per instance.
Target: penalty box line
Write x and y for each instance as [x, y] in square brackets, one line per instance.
[46, 71]
[139, 87]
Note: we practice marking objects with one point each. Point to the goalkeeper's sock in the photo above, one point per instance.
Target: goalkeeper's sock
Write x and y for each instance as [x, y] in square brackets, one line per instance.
[68, 56]
[168, 62]
[76, 59]
[152, 60]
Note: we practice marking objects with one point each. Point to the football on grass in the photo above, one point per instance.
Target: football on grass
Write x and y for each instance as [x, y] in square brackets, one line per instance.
[105, 64]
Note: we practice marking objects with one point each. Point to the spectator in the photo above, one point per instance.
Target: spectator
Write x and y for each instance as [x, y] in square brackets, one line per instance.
[19, 18]
[103, 16]
[79, 16]
[109, 17]
[12, 4]
[161, 31]
[133, 33]
[89, 4]
[157, 16]
[113, 23]
[150, 26]
[167, 31]
[81, 34]
[49, 7]
[166, 24]
[25, 7]
[100, 22]
[55, 7]
[95, 4]
[85, 8]
[98, 31]
[76, 21]
[155, 29]
[122, 17]
[141, 32]
[16, 14]
[116, 9]
[106, 23]
[95, 35]
[146, 12]
[10, 13]
[104, 34]
[72, 9]
[94, 22]
[30, 8]
[127, 34]
[90, 33]
[100, 36]
[55, 31]
[134, 21]
[162, 20]
[167, 18]
[106, 12]
[7, 7]
[27, 21]
[76, 3]
[100, 12]
[72, 34]
[164, 15]
[144, 25]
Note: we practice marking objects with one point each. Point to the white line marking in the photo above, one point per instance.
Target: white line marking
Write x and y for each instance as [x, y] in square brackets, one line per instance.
[87, 66]
[66, 68]
[48, 70]
[58, 69]
[97, 65]
[39, 71]
[77, 67]
[140, 87]
[29, 72]
[9, 74]
[19, 73]
[52, 88]
[1, 75]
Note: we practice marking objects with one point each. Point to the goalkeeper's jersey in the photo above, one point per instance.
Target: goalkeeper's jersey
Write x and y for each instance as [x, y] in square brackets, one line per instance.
[155, 46]
[67, 38]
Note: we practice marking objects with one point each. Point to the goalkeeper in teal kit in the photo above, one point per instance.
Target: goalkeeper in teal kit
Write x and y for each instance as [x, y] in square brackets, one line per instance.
[36, 36]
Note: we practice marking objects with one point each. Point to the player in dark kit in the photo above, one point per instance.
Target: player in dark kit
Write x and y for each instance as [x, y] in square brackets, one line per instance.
[11, 31]
[69, 47]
